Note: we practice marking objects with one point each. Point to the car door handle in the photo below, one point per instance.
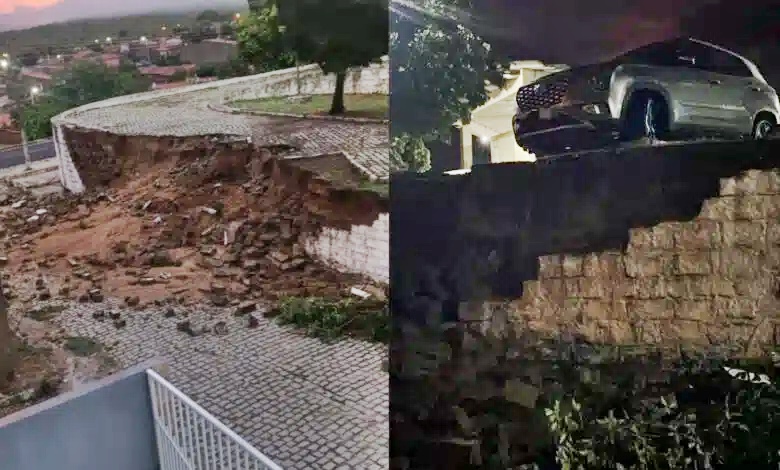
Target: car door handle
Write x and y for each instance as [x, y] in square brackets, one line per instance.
[714, 82]
[755, 88]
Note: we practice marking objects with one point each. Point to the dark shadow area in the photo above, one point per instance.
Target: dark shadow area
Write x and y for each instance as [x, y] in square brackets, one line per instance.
[478, 236]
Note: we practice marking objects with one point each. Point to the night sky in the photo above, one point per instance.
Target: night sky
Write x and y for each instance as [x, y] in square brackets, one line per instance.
[579, 32]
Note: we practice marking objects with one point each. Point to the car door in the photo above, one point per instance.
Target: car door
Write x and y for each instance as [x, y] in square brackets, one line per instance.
[690, 85]
[731, 84]
[674, 68]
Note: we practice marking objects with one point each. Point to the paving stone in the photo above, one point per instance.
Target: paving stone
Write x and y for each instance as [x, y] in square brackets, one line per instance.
[291, 396]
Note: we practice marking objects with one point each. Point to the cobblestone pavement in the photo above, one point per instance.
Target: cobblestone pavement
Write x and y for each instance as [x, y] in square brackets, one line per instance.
[184, 114]
[304, 403]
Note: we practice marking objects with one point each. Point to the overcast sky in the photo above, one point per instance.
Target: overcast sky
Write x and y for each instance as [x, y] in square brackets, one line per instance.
[578, 31]
[25, 13]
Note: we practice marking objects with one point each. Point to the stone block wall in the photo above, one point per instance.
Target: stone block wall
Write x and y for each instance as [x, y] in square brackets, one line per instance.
[661, 246]
[363, 249]
[713, 279]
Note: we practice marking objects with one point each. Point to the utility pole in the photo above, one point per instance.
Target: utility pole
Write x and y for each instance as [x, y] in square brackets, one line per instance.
[27, 161]
[25, 150]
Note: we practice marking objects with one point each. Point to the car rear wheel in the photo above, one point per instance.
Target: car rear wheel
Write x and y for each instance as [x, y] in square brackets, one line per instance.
[647, 116]
[763, 127]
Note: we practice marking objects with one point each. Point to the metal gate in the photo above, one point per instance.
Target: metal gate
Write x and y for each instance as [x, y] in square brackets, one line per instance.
[190, 438]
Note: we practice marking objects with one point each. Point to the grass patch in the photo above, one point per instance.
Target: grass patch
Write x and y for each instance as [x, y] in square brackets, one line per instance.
[333, 319]
[374, 106]
[46, 312]
[381, 188]
[81, 346]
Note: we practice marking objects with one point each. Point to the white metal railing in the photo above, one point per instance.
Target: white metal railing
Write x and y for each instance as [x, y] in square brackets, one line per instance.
[190, 438]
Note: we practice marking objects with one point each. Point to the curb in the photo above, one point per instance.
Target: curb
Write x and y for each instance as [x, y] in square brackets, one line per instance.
[220, 108]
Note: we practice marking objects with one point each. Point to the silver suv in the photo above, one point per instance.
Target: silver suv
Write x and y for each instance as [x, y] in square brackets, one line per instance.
[684, 87]
[694, 84]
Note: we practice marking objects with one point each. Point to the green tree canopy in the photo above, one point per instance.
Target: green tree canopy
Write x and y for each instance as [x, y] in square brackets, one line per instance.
[439, 67]
[336, 34]
[83, 83]
[209, 15]
[261, 42]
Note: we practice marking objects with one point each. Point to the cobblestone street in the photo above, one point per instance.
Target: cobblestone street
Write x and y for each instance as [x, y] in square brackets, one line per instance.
[303, 403]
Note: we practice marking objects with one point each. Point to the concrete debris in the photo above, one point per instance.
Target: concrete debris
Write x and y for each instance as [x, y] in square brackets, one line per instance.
[174, 232]
[359, 293]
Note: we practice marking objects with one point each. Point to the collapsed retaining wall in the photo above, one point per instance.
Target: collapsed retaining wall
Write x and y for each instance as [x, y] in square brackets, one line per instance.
[660, 245]
[307, 80]
[353, 236]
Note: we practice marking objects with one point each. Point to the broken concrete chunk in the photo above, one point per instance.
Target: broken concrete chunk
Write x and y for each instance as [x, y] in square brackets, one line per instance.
[220, 328]
[209, 210]
[359, 293]
[96, 296]
[18, 204]
[245, 308]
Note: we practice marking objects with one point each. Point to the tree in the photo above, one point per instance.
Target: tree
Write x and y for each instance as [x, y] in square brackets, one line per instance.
[438, 72]
[209, 15]
[261, 42]
[336, 34]
[83, 83]
[28, 59]
[36, 119]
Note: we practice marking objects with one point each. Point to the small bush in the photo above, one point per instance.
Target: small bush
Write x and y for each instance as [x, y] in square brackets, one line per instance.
[331, 319]
[81, 346]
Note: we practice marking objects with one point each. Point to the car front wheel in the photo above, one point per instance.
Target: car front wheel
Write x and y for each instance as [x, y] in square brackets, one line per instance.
[646, 117]
[763, 127]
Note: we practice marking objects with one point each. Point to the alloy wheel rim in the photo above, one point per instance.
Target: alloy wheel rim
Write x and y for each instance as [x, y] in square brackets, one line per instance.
[762, 129]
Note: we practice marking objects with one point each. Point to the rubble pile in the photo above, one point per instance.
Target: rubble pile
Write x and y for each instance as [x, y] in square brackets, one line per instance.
[220, 228]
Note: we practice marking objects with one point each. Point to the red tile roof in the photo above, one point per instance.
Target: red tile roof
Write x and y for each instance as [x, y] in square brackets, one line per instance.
[168, 71]
[35, 74]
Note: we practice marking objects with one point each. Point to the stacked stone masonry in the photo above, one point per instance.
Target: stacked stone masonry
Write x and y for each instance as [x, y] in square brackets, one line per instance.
[711, 280]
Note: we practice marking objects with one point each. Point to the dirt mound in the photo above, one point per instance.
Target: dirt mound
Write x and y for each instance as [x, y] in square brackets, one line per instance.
[216, 224]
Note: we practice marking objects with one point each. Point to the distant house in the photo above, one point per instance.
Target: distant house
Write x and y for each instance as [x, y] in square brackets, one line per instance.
[139, 51]
[110, 60]
[165, 75]
[165, 48]
[82, 55]
[209, 51]
[34, 76]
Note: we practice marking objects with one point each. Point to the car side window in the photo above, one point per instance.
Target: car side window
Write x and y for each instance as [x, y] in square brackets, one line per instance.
[727, 64]
[688, 54]
[659, 55]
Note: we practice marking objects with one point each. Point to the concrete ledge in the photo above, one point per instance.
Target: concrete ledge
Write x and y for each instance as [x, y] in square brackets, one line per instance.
[222, 108]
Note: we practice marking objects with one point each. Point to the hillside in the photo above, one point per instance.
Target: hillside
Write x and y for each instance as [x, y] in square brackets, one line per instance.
[66, 35]
[69, 10]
